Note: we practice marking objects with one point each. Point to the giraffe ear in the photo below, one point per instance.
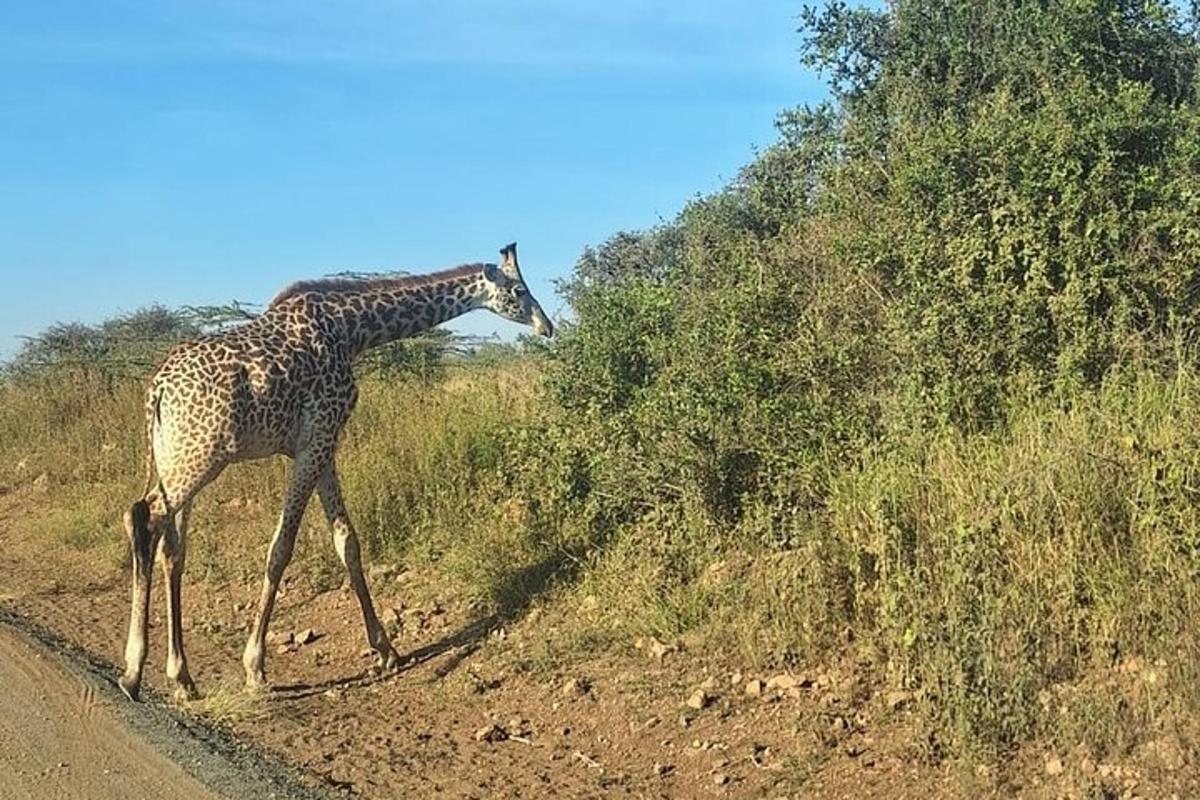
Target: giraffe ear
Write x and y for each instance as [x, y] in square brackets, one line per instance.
[490, 272]
[508, 261]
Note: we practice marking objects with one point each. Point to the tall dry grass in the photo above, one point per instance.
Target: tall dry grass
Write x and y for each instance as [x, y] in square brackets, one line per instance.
[1005, 578]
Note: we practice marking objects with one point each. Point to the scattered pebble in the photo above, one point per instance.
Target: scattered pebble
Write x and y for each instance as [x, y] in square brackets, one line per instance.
[491, 733]
[699, 699]
[576, 687]
[782, 683]
[280, 637]
[656, 649]
[754, 688]
[1054, 766]
[380, 572]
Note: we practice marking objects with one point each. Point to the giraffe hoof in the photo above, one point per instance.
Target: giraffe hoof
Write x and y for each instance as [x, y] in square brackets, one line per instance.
[132, 687]
[389, 661]
[185, 693]
[256, 684]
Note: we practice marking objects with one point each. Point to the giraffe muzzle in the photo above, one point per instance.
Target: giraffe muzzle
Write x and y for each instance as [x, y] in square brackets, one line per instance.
[542, 325]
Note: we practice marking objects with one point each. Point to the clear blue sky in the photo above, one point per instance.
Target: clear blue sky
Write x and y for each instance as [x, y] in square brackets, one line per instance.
[200, 151]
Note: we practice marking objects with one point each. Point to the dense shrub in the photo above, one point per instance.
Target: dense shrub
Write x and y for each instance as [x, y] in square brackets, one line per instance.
[828, 367]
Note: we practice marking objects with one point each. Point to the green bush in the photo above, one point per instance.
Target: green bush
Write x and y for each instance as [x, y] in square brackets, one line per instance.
[878, 378]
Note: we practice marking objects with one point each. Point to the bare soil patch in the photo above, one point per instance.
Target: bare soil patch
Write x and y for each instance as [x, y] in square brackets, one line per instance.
[475, 714]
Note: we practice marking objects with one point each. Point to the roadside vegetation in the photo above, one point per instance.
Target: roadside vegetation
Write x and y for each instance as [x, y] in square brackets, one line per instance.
[918, 389]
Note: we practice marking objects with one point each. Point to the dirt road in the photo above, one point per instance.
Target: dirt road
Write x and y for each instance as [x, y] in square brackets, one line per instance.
[58, 739]
[63, 735]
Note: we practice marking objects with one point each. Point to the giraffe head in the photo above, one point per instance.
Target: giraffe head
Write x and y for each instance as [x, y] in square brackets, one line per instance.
[508, 296]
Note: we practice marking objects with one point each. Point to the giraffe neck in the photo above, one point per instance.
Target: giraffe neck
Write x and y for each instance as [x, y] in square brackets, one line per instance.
[385, 312]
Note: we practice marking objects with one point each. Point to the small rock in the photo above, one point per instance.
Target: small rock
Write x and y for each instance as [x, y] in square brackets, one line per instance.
[41, 481]
[1131, 665]
[1054, 766]
[658, 650]
[699, 699]
[662, 769]
[380, 572]
[491, 733]
[279, 637]
[897, 700]
[1168, 752]
[720, 779]
[782, 683]
[576, 687]
[306, 636]
[735, 679]
[754, 688]
[283, 649]
[709, 683]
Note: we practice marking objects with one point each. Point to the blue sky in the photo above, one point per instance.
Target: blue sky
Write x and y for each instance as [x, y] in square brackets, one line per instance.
[201, 151]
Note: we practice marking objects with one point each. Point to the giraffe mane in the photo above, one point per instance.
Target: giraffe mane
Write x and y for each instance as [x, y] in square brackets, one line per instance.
[388, 283]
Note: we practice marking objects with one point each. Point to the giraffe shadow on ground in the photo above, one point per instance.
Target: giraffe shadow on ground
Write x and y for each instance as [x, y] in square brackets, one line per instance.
[514, 596]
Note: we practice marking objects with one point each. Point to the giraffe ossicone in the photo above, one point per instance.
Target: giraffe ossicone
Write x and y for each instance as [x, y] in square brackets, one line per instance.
[282, 383]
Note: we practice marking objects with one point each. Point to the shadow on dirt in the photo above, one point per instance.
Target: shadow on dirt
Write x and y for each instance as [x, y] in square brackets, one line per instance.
[514, 596]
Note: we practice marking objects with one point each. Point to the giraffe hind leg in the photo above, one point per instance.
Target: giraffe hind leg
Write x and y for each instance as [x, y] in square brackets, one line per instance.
[142, 532]
[172, 548]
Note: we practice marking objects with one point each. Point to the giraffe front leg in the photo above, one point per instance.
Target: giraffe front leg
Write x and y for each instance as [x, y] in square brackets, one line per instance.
[304, 476]
[346, 543]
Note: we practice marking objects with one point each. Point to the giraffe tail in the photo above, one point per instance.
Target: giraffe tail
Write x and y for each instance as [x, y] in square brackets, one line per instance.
[153, 401]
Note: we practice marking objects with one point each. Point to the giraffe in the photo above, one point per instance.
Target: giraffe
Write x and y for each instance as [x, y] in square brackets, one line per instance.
[282, 383]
